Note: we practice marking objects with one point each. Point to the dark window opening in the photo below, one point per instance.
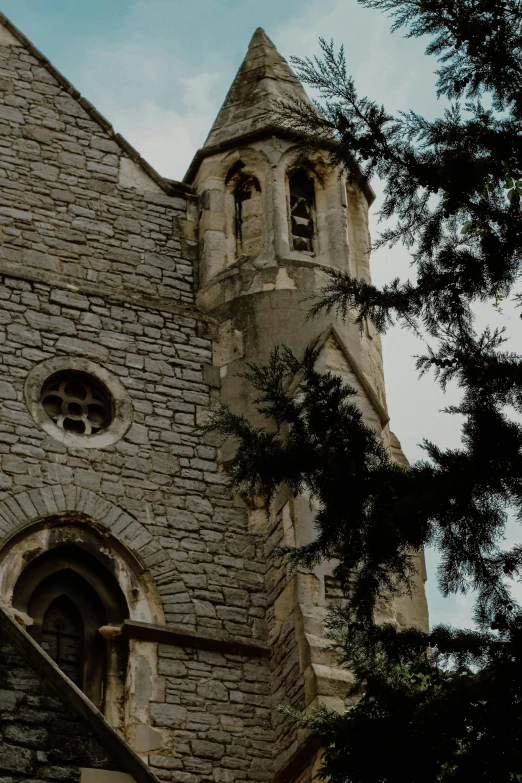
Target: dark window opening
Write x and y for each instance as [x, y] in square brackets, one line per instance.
[77, 402]
[242, 193]
[302, 199]
[248, 217]
[63, 637]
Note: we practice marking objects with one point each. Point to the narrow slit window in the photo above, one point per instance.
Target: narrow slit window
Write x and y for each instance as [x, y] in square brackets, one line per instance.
[249, 217]
[302, 200]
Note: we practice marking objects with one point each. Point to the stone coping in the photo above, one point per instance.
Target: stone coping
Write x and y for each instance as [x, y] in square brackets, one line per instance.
[357, 370]
[73, 697]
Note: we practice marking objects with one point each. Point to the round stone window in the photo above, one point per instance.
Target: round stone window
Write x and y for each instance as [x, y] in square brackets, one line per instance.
[78, 402]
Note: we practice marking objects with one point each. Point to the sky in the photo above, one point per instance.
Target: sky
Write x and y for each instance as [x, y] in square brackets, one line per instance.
[159, 71]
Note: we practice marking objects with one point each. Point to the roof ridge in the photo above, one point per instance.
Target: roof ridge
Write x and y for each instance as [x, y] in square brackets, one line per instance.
[170, 187]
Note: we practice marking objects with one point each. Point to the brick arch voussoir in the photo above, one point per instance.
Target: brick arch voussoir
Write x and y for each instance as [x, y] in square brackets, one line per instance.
[25, 508]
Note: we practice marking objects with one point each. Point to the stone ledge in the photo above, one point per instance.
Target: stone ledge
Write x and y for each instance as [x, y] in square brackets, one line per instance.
[56, 280]
[235, 269]
[181, 637]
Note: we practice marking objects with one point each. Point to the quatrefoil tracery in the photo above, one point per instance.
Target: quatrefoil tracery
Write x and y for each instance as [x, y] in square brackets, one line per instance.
[77, 403]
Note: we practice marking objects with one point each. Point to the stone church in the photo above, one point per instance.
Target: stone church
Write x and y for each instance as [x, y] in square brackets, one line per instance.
[147, 630]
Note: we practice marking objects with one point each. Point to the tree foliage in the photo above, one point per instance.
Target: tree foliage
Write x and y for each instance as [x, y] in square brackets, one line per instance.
[443, 706]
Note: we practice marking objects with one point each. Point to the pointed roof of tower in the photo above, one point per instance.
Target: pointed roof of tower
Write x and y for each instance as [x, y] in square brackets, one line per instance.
[264, 77]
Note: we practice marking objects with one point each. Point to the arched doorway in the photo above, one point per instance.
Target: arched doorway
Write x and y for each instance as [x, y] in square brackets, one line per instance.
[73, 555]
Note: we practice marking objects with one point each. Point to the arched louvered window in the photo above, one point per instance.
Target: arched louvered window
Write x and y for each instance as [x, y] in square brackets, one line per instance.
[302, 209]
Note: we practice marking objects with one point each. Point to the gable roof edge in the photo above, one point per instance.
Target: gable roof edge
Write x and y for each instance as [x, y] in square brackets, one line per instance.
[355, 367]
[170, 187]
[357, 371]
[74, 698]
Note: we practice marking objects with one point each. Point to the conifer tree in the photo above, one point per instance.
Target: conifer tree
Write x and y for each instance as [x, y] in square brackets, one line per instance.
[445, 705]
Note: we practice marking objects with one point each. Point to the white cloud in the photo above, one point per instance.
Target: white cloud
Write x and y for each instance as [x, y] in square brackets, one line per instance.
[384, 66]
[150, 96]
[168, 138]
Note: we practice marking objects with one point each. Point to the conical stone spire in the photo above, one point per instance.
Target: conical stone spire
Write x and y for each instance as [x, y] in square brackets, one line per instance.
[264, 77]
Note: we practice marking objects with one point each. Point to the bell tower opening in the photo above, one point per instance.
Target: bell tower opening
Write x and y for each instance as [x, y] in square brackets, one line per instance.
[302, 208]
[244, 190]
[249, 227]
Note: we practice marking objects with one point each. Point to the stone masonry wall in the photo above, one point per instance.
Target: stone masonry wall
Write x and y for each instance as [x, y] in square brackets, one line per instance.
[40, 738]
[69, 209]
[96, 261]
[208, 569]
[220, 706]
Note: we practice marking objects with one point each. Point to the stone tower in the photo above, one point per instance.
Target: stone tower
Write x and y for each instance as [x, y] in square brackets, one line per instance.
[129, 303]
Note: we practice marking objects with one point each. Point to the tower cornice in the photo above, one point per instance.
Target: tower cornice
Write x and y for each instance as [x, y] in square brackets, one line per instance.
[264, 133]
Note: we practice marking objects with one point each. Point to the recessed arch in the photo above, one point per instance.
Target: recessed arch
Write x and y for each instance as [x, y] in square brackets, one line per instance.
[89, 533]
[220, 247]
[56, 505]
[67, 591]
[86, 574]
[69, 555]
[34, 519]
[314, 163]
[329, 212]
[254, 160]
